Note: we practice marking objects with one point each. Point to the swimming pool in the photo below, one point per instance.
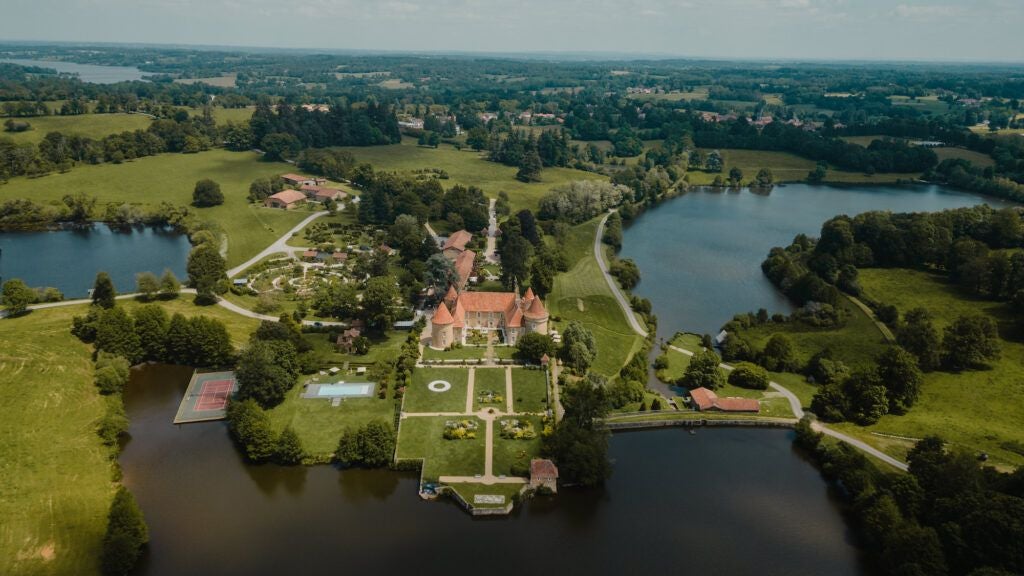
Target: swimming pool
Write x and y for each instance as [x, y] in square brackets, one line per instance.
[349, 390]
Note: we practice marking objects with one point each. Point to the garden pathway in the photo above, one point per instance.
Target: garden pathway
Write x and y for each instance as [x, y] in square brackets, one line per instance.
[492, 233]
[508, 390]
[471, 379]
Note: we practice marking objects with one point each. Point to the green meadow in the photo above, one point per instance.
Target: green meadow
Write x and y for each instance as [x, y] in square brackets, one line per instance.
[94, 126]
[171, 177]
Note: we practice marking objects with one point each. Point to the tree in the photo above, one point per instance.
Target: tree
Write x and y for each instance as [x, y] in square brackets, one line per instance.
[714, 162]
[370, 446]
[778, 354]
[125, 536]
[817, 175]
[585, 401]
[103, 292]
[151, 324]
[970, 342]
[169, 284]
[115, 334]
[112, 373]
[378, 310]
[529, 170]
[735, 176]
[147, 284]
[17, 296]
[919, 337]
[578, 358]
[440, 273]
[251, 429]
[289, 447]
[207, 193]
[206, 272]
[898, 372]
[336, 299]
[279, 146]
[866, 397]
[534, 346]
[751, 376]
[764, 178]
[265, 372]
[703, 372]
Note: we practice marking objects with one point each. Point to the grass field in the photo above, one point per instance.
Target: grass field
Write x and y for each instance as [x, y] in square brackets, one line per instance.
[489, 380]
[423, 437]
[418, 398]
[171, 178]
[976, 158]
[509, 452]
[530, 391]
[978, 410]
[468, 168]
[582, 294]
[321, 425]
[381, 347]
[468, 490]
[94, 126]
[786, 167]
[55, 472]
[857, 343]
[464, 353]
[923, 104]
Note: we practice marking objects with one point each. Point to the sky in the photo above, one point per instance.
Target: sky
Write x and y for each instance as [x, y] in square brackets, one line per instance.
[942, 30]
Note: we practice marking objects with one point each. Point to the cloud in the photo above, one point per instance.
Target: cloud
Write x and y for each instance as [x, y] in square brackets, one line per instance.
[925, 11]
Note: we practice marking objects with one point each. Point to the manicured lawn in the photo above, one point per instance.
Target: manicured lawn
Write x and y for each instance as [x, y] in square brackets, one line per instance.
[530, 390]
[171, 178]
[508, 452]
[464, 353]
[94, 126]
[677, 363]
[321, 425]
[419, 398]
[493, 380]
[582, 294]
[423, 437]
[54, 471]
[468, 168]
[469, 490]
[976, 410]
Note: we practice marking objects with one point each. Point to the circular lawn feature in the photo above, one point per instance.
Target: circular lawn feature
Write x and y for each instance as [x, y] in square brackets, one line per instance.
[440, 386]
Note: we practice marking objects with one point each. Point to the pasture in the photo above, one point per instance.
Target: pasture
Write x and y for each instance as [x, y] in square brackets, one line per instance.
[171, 177]
[95, 126]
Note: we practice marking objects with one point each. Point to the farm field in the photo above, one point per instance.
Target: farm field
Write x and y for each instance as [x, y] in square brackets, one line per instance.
[975, 410]
[55, 471]
[468, 168]
[976, 158]
[171, 178]
[94, 126]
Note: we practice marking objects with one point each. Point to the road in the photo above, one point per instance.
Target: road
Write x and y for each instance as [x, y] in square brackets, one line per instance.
[623, 303]
[280, 245]
[492, 232]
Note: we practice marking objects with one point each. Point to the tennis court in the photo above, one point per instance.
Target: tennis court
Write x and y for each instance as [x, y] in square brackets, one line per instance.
[206, 397]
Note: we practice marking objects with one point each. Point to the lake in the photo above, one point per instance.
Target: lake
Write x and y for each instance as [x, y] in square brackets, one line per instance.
[93, 73]
[70, 259]
[723, 501]
[700, 254]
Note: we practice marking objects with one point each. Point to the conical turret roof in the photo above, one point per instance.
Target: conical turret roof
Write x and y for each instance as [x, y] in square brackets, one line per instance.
[442, 316]
[536, 310]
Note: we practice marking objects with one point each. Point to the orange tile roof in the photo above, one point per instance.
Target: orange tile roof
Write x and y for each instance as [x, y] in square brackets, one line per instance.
[289, 196]
[487, 301]
[296, 177]
[703, 398]
[458, 240]
[464, 266]
[543, 468]
[738, 405]
[442, 316]
[529, 294]
[536, 309]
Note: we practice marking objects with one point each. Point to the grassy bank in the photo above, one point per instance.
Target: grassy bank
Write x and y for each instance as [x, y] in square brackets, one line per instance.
[583, 294]
[171, 178]
[55, 472]
[788, 167]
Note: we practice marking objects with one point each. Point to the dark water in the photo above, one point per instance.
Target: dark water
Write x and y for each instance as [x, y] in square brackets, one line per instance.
[719, 502]
[700, 254]
[70, 259]
[93, 73]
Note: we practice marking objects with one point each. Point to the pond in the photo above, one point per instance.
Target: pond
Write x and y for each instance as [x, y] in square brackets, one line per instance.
[700, 254]
[93, 73]
[722, 501]
[69, 259]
